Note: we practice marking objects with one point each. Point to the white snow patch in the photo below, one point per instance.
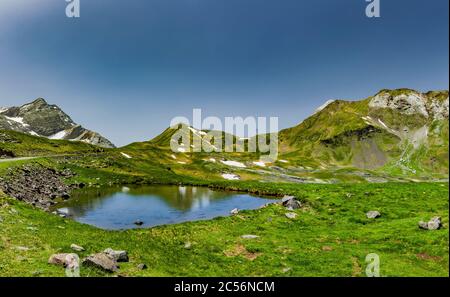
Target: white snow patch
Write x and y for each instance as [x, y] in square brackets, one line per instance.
[180, 162]
[3, 109]
[259, 163]
[230, 176]
[383, 124]
[17, 120]
[59, 135]
[283, 161]
[125, 155]
[173, 157]
[33, 133]
[234, 163]
[182, 150]
[328, 102]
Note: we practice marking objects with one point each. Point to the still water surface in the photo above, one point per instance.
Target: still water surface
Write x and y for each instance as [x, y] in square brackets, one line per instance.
[121, 207]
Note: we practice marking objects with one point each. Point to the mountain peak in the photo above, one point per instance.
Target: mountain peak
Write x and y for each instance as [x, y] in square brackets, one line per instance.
[42, 119]
[40, 101]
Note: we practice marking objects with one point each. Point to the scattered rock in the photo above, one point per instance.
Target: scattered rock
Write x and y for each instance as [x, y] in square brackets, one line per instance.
[23, 248]
[234, 211]
[290, 202]
[101, 261]
[327, 248]
[188, 245]
[286, 269]
[373, 214]
[433, 224]
[119, 256]
[291, 215]
[249, 236]
[65, 259]
[37, 185]
[142, 266]
[286, 198]
[32, 228]
[1, 219]
[77, 248]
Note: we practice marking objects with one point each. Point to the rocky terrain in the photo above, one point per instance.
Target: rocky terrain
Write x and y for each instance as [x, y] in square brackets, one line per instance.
[36, 185]
[39, 118]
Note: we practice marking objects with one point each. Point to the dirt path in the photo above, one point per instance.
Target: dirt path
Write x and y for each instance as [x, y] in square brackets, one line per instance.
[17, 159]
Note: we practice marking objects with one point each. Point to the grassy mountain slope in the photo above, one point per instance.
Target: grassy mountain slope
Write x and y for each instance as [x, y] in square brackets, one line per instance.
[395, 136]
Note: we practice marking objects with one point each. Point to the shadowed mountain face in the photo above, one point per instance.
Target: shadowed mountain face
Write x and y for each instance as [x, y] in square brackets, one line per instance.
[39, 118]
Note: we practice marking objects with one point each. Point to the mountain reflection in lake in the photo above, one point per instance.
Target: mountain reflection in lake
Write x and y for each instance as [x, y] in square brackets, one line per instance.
[120, 207]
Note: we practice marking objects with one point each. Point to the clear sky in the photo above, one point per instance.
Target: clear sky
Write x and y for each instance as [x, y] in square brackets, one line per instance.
[125, 68]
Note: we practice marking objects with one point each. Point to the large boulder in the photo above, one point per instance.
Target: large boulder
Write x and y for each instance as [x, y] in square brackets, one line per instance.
[101, 261]
[65, 259]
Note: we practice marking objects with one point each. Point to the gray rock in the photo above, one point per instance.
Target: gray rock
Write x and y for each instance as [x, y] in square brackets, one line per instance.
[139, 223]
[433, 224]
[423, 225]
[249, 236]
[286, 198]
[101, 261]
[142, 266]
[234, 211]
[119, 256]
[77, 248]
[290, 202]
[67, 260]
[23, 248]
[291, 215]
[373, 214]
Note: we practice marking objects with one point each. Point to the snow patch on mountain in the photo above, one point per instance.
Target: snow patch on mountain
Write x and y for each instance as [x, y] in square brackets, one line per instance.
[230, 176]
[328, 102]
[234, 164]
[60, 135]
[126, 155]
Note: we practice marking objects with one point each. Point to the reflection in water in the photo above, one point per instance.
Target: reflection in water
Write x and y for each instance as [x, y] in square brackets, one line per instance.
[119, 207]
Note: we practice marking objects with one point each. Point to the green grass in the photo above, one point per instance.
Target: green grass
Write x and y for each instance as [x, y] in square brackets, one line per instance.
[330, 237]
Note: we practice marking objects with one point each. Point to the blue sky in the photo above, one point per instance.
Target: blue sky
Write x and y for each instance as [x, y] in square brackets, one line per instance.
[125, 68]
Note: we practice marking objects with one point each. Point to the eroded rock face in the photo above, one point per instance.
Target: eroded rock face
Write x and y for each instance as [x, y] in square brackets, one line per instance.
[412, 103]
[439, 109]
[430, 105]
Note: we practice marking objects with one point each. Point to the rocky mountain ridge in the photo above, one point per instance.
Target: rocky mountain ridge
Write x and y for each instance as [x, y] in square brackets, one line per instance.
[39, 118]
